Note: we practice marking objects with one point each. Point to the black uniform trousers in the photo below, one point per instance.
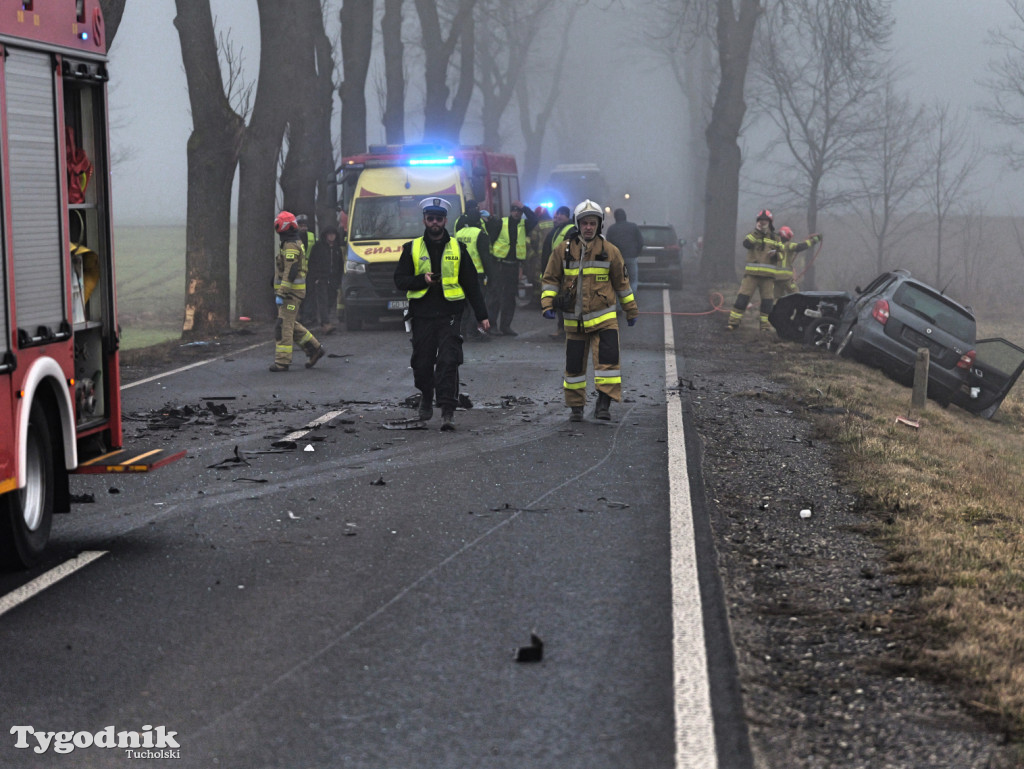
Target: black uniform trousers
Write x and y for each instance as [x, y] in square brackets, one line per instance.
[436, 356]
[504, 295]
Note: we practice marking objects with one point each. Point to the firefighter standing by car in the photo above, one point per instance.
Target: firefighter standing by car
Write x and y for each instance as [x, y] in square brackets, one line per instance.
[290, 267]
[587, 275]
[438, 276]
[760, 272]
[784, 281]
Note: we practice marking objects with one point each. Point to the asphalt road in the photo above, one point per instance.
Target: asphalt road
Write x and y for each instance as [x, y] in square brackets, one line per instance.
[359, 603]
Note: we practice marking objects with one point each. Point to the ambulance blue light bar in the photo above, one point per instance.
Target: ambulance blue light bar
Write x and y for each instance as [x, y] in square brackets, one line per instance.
[445, 161]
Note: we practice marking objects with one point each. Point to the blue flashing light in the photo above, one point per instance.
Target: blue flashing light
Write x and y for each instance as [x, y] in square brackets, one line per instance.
[548, 204]
[445, 161]
[83, 35]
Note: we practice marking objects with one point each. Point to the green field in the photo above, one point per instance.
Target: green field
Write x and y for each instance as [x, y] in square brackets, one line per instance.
[150, 271]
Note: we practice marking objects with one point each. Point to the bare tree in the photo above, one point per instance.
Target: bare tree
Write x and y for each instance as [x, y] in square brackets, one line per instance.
[356, 47]
[1006, 83]
[691, 61]
[309, 163]
[394, 72]
[113, 10]
[816, 98]
[974, 247]
[954, 158]
[534, 126]
[504, 45]
[890, 176]
[443, 120]
[731, 24]
[213, 147]
[257, 171]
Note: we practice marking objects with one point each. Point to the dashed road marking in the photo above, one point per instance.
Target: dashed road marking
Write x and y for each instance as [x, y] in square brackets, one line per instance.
[43, 581]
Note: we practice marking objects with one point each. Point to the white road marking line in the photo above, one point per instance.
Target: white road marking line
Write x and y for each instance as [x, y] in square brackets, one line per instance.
[43, 581]
[695, 733]
[153, 378]
[312, 425]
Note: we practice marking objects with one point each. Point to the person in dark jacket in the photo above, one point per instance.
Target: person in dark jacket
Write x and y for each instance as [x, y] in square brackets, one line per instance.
[438, 276]
[326, 261]
[626, 236]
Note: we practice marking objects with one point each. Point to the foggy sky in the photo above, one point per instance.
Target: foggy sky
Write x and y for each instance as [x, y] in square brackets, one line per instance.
[942, 49]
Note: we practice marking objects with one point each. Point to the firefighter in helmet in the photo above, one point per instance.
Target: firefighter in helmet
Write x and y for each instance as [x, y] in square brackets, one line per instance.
[759, 274]
[784, 282]
[290, 266]
[585, 277]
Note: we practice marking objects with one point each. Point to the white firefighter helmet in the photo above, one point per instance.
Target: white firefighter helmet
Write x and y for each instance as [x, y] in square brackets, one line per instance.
[588, 208]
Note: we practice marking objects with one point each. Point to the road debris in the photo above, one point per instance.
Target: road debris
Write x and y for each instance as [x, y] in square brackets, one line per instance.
[532, 653]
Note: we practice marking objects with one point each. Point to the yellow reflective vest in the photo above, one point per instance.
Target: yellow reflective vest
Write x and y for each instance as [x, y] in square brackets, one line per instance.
[501, 245]
[450, 260]
[468, 236]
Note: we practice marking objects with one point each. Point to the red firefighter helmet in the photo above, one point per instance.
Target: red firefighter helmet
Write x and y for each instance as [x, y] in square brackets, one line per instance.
[764, 213]
[785, 233]
[285, 222]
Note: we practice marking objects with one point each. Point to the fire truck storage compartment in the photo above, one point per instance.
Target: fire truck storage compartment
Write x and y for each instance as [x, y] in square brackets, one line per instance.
[35, 196]
[88, 238]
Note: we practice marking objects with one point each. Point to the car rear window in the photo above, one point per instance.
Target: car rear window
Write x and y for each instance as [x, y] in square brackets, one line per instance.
[938, 310]
[659, 236]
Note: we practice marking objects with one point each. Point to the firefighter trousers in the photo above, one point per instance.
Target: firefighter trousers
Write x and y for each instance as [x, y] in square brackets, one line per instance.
[436, 357]
[603, 347]
[288, 332]
[765, 287]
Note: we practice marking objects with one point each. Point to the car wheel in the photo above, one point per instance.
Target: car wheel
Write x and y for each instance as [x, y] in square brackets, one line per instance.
[26, 515]
[821, 333]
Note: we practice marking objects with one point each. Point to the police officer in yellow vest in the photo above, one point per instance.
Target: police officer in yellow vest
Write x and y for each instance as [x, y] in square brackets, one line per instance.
[289, 290]
[438, 276]
[508, 248]
[469, 231]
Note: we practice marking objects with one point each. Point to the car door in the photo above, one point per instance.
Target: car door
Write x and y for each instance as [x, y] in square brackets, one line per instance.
[997, 365]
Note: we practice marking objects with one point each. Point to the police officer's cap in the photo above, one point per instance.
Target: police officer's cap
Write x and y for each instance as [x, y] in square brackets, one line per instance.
[435, 206]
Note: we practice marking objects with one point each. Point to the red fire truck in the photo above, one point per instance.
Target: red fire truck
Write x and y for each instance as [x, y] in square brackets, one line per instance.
[60, 407]
[381, 192]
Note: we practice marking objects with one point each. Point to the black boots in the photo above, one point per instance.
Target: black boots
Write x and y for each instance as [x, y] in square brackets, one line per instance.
[601, 407]
[448, 419]
[575, 413]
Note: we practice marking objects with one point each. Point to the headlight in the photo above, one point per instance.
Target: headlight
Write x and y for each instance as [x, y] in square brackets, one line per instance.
[351, 266]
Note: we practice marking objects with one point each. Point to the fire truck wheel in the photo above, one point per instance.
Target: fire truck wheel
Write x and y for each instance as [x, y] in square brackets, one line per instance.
[27, 514]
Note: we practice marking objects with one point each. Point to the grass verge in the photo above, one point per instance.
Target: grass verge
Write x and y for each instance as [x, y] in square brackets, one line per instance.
[947, 501]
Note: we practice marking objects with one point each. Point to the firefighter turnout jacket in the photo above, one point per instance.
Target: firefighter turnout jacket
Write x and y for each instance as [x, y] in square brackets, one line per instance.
[596, 273]
[764, 256]
[290, 267]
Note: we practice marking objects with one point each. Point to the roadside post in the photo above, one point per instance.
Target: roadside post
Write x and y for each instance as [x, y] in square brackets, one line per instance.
[919, 395]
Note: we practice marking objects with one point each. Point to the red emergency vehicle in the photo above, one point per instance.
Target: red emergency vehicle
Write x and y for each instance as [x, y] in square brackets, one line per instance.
[60, 407]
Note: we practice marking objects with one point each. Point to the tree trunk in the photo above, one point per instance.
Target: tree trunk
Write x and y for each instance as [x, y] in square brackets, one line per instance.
[721, 198]
[212, 156]
[113, 10]
[394, 72]
[441, 122]
[257, 172]
[309, 162]
[356, 47]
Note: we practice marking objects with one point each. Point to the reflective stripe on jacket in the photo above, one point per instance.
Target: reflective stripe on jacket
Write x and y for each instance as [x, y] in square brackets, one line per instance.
[449, 269]
[290, 266]
[599, 274]
[501, 245]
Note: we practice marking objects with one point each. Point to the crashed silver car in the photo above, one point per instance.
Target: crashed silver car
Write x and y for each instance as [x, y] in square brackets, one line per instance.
[885, 324]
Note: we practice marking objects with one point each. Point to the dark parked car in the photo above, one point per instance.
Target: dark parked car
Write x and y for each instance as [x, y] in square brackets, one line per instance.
[661, 260]
[885, 324]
